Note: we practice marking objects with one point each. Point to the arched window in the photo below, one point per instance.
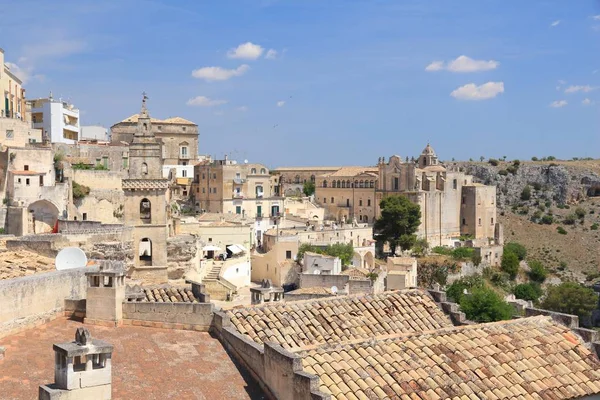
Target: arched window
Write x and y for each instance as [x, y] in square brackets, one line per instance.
[263, 171]
[145, 251]
[145, 127]
[343, 184]
[338, 184]
[144, 169]
[253, 171]
[324, 184]
[312, 178]
[348, 184]
[355, 184]
[145, 210]
[333, 184]
[297, 180]
[259, 191]
[361, 184]
[372, 184]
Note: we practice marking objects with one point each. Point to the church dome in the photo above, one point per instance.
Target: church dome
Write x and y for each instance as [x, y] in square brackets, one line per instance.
[428, 151]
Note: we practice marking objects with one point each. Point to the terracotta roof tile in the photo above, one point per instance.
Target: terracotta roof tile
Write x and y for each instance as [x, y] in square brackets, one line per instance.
[340, 318]
[453, 362]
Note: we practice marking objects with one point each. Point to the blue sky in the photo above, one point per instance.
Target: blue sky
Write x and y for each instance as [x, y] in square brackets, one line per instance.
[359, 79]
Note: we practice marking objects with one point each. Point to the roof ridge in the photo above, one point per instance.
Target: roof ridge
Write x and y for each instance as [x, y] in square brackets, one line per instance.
[547, 320]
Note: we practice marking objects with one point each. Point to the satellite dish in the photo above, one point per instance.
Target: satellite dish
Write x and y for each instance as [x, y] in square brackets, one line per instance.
[69, 258]
[245, 161]
[317, 272]
[334, 289]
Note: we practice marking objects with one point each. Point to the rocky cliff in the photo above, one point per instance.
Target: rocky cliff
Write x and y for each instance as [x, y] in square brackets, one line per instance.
[560, 183]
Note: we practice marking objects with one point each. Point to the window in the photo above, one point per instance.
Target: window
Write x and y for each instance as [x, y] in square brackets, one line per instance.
[27, 181]
[197, 190]
[19, 180]
[238, 209]
[183, 150]
[209, 240]
[259, 211]
[41, 180]
[185, 192]
[10, 134]
[159, 127]
[396, 183]
[85, 216]
[479, 222]
[360, 218]
[372, 184]
[332, 200]
[252, 171]
[360, 203]
[492, 221]
[26, 167]
[203, 190]
[454, 184]
[125, 162]
[347, 202]
[145, 251]
[203, 176]
[259, 191]
[343, 184]
[312, 178]
[215, 175]
[464, 221]
[184, 173]
[288, 254]
[263, 171]
[324, 198]
[324, 184]
[369, 202]
[144, 169]
[145, 209]
[463, 199]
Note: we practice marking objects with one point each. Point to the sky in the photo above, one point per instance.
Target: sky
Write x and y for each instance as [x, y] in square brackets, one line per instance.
[325, 82]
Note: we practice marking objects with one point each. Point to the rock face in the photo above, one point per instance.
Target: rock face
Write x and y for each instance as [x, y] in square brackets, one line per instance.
[562, 184]
[182, 255]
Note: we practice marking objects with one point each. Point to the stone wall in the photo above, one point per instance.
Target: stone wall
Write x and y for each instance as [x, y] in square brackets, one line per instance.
[190, 316]
[326, 281]
[278, 372]
[359, 286]
[26, 300]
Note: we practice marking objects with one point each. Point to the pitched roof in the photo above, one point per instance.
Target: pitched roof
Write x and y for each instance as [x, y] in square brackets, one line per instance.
[355, 273]
[354, 171]
[529, 358]
[172, 120]
[311, 290]
[135, 117]
[169, 295]
[318, 321]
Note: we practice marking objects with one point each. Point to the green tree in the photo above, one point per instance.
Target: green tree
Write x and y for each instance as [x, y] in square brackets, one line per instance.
[345, 252]
[308, 188]
[400, 219]
[528, 291]
[485, 305]
[537, 272]
[80, 191]
[420, 247]
[510, 264]
[456, 290]
[570, 298]
[516, 248]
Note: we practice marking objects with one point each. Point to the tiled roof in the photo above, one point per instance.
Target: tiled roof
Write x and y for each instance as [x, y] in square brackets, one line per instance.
[135, 117]
[530, 358]
[353, 171]
[318, 321]
[173, 120]
[145, 183]
[355, 272]
[311, 290]
[169, 295]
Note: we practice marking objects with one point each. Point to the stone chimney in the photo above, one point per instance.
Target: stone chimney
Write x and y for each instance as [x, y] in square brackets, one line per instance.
[82, 370]
[105, 295]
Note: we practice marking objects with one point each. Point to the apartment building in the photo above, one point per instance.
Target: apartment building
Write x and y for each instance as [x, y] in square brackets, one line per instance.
[58, 119]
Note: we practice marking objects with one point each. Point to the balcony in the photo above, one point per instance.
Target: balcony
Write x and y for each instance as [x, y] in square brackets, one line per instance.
[239, 181]
[238, 195]
[184, 156]
[259, 195]
[71, 128]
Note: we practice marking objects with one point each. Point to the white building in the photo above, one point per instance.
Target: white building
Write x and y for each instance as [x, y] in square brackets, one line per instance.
[181, 171]
[58, 120]
[321, 264]
[94, 132]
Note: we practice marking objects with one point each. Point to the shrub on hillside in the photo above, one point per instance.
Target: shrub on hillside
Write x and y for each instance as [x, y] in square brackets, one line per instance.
[457, 289]
[547, 219]
[485, 305]
[594, 227]
[561, 230]
[537, 272]
[580, 212]
[516, 248]
[528, 291]
[493, 162]
[526, 193]
[570, 298]
[510, 264]
[537, 186]
[570, 219]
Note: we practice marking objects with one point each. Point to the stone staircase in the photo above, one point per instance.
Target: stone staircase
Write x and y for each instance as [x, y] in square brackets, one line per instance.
[218, 288]
[213, 274]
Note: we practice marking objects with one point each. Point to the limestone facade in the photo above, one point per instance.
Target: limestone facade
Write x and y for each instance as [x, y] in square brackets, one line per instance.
[145, 206]
[292, 179]
[224, 186]
[178, 137]
[17, 133]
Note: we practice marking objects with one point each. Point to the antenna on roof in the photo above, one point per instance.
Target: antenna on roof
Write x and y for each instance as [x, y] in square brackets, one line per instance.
[69, 258]
[334, 289]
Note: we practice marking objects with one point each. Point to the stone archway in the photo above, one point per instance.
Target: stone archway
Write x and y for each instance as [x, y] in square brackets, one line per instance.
[368, 260]
[42, 216]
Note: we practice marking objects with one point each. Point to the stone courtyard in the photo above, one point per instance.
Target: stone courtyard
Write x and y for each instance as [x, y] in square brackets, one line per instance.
[148, 363]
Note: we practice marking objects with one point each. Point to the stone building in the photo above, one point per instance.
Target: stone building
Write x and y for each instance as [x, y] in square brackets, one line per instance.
[13, 103]
[451, 203]
[224, 186]
[145, 205]
[178, 137]
[348, 193]
[292, 179]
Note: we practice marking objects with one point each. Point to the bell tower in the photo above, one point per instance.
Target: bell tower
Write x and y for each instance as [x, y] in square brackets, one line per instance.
[145, 202]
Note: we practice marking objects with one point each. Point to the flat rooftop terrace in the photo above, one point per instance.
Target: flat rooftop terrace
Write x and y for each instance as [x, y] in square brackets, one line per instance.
[148, 363]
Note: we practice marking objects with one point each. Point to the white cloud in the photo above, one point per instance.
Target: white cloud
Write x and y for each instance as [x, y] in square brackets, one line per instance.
[555, 23]
[471, 91]
[242, 108]
[435, 66]
[586, 102]
[596, 17]
[280, 103]
[577, 88]
[218, 73]
[271, 54]
[246, 51]
[25, 74]
[203, 101]
[561, 82]
[558, 103]
[463, 64]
